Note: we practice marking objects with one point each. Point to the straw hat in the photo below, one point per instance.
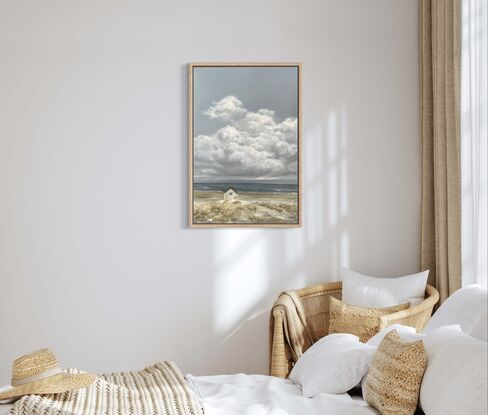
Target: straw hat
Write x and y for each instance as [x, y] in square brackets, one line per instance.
[38, 373]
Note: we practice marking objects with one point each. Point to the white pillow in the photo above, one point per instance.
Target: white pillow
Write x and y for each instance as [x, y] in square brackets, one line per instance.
[335, 364]
[464, 307]
[365, 291]
[480, 329]
[405, 332]
[337, 338]
[440, 336]
[455, 380]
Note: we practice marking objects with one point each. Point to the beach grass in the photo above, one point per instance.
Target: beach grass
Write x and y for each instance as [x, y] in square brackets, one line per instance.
[251, 207]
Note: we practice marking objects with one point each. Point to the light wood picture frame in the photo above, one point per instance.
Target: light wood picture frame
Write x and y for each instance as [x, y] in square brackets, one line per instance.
[245, 144]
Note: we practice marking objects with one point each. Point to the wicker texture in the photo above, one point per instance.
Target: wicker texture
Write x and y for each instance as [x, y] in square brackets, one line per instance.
[363, 322]
[32, 372]
[33, 364]
[156, 390]
[315, 303]
[393, 381]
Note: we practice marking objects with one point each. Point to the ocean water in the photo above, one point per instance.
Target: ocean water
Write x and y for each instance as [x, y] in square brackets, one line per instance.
[247, 187]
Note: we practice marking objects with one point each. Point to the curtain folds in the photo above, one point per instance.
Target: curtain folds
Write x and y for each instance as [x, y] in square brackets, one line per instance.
[440, 68]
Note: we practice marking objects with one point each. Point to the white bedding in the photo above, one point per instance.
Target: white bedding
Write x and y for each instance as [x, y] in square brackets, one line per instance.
[4, 408]
[258, 394]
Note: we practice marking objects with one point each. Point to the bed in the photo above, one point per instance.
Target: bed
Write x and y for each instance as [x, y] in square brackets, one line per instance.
[242, 394]
[261, 394]
[232, 394]
[224, 395]
[298, 319]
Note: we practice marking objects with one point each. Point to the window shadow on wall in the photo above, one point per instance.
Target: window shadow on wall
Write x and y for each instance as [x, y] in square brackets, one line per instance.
[252, 266]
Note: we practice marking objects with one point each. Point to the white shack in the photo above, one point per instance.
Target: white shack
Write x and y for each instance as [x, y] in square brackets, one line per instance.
[231, 194]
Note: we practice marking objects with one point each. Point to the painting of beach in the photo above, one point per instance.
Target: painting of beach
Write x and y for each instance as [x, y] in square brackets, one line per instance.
[244, 145]
[256, 203]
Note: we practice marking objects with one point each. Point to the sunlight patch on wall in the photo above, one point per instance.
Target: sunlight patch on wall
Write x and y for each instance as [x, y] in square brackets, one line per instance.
[313, 194]
[337, 188]
[294, 249]
[344, 251]
[241, 276]
[343, 186]
[332, 173]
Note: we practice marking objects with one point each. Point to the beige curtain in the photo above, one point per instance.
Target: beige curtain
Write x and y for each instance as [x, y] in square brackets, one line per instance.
[440, 63]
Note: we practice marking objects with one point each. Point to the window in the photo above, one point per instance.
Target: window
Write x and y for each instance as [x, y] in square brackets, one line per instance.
[474, 137]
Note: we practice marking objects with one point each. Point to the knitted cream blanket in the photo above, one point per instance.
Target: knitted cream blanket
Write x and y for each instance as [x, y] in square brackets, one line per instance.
[156, 390]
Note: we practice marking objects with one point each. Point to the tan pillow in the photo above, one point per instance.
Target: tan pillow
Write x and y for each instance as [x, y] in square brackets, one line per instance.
[362, 321]
[392, 384]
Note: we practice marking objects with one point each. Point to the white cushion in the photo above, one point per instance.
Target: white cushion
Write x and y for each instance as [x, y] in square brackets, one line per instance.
[335, 364]
[405, 332]
[366, 291]
[455, 380]
[480, 329]
[464, 307]
[440, 336]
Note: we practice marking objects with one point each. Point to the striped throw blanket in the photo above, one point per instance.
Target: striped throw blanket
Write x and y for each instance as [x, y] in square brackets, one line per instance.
[156, 390]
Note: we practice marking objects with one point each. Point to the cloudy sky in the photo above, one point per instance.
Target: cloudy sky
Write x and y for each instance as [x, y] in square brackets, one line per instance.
[245, 124]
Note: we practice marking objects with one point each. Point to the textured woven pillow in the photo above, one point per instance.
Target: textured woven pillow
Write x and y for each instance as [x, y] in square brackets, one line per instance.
[362, 321]
[393, 381]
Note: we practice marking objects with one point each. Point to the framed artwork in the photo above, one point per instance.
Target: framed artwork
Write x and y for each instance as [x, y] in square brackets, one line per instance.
[245, 144]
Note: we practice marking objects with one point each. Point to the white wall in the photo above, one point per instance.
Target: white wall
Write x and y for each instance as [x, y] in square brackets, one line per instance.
[96, 259]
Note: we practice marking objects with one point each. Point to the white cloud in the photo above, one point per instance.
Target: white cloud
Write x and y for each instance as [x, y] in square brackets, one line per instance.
[227, 109]
[252, 145]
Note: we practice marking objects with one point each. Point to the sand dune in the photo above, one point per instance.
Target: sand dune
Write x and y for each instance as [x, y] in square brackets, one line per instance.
[209, 207]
